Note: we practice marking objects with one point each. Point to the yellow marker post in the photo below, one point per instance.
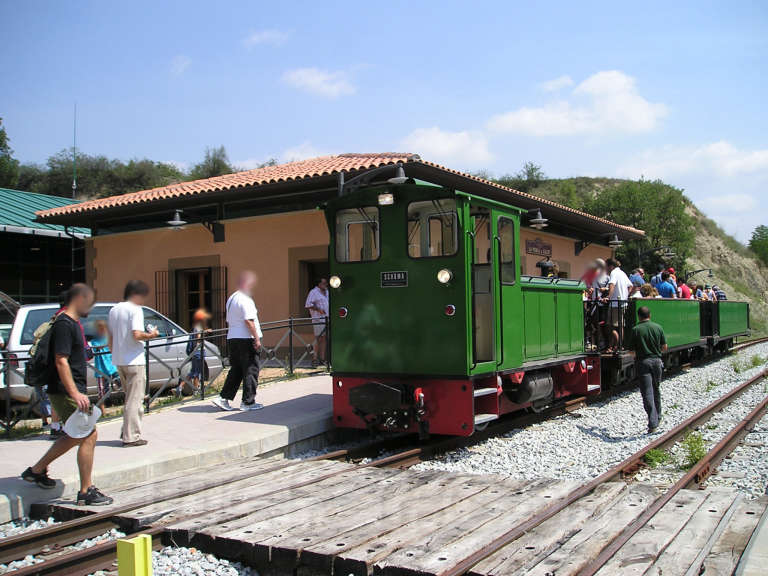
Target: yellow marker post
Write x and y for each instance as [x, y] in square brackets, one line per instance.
[134, 556]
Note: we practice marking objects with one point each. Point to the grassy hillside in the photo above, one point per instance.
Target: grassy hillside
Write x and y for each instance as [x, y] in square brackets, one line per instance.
[735, 267]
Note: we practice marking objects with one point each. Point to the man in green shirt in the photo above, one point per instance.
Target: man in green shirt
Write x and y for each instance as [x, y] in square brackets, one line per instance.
[648, 343]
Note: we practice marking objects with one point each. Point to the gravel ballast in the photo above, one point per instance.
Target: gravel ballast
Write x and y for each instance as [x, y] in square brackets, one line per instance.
[584, 444]
[171, 561]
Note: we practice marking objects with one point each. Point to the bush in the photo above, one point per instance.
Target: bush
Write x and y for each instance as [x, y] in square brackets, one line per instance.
[694, 449]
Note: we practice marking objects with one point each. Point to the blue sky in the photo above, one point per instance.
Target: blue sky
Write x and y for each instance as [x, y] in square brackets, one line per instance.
[670, 90]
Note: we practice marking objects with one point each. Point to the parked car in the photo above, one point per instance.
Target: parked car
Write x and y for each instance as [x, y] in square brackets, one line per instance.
[169, 354]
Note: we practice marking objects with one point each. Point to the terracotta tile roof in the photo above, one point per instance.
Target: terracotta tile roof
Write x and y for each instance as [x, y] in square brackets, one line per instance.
[301, 170]
[291, 171]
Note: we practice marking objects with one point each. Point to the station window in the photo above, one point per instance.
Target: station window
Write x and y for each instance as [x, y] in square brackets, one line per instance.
[432, 228]
[357, 234]
[507, 250]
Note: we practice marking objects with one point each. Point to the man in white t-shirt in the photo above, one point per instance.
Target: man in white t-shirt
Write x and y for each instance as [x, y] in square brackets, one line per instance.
[126, 337]
[244, 343]
[317, 304]
[619, 286]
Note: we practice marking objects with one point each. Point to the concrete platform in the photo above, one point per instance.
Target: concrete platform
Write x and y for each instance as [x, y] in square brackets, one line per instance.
[182, 437]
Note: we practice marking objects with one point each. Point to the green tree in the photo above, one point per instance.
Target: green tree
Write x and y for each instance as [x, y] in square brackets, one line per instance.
[652, 206]
[759, 243]
[215, 163]
[9, 166]
[528, 178]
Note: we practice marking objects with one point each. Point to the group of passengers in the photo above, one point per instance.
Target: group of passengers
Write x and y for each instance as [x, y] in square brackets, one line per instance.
[609, 288]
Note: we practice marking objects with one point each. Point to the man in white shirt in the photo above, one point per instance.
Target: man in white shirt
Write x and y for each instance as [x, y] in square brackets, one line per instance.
[317, 304]
[244, 342]
[126, 337]
[618, 294]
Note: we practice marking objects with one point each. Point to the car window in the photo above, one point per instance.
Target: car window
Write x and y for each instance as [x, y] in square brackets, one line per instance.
[97, 313]
[163, 325]
[34, 319]
[432, 228]
[357, 234]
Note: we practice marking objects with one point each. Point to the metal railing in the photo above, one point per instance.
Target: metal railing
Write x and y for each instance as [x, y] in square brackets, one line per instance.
[12, 364]
[601, 319]
[286, 344]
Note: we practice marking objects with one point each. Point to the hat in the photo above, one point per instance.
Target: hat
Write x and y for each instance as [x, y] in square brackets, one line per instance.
[600, 262]
[706, 286]
[81, 424]
[201, 315]
[637, 281]
[671, 270]
[715, 287]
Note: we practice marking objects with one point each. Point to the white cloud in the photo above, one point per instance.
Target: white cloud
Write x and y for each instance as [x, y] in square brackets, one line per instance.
[557, 84]
[269, 36]
[303, 151]
[462, 149]
[320, 82]
[180, 64]
[719, 158]
[605, 103]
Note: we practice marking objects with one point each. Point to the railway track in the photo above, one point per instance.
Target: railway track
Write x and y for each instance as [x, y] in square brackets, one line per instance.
[53, 543]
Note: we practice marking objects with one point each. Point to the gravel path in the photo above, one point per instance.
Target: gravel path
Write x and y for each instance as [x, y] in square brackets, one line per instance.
[584, 444]
[172, 561]
[24, 525]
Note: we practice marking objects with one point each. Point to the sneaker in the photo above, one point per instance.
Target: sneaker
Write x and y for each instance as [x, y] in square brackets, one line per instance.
[41, 479]
[56, 433]
[652, 430]
[222, 404]
[248, 407]
[93, 497]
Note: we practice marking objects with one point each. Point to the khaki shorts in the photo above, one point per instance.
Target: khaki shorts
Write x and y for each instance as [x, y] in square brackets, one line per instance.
[64, 405]
[616, 317]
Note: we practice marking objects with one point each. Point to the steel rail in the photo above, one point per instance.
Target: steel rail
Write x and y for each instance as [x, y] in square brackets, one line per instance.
[628, 464]
[69, 532]
[694, 476]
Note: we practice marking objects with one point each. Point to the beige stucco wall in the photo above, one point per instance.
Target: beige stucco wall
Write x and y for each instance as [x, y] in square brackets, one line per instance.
[263, 244]
[563, 252]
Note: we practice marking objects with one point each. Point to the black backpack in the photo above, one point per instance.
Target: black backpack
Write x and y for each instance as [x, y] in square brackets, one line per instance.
[38, 368]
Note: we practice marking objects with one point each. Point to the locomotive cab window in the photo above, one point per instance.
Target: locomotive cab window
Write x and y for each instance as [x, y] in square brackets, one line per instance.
[432, 228]
[507, 250]
[357, 234]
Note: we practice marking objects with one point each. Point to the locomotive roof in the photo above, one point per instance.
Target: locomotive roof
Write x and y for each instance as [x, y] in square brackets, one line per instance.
[301, 184]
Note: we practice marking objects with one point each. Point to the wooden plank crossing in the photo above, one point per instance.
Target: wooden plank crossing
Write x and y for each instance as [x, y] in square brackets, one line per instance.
[307, 518]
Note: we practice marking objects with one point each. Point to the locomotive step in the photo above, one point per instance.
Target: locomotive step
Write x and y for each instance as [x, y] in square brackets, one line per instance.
[484, 392]
[483, 418]
[593, 387]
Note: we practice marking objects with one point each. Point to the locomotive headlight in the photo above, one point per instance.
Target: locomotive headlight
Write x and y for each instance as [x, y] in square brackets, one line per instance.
[444, 276]
[386, 199]
[334, 281]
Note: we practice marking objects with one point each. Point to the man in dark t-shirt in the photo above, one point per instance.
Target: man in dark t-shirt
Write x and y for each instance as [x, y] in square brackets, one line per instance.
[67, 391]
[648, 342]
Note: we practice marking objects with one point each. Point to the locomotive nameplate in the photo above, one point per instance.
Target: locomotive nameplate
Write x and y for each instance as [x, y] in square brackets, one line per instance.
[394, 279]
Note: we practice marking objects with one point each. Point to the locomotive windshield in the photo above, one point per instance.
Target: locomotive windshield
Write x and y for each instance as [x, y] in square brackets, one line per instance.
[432, 228]
[357, 234]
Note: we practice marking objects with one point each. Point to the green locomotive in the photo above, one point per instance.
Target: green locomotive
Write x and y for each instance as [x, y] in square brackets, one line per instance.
[433, 327]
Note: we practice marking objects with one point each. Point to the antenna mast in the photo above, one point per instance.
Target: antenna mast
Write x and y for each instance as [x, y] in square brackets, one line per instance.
[74, 154]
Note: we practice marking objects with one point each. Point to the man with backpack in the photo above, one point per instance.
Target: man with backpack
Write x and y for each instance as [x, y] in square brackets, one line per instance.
[67, 391]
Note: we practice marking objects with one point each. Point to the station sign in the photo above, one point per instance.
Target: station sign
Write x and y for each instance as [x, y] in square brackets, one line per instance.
[538, 247]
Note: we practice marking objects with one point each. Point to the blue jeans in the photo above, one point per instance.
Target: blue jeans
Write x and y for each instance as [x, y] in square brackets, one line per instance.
[649, 374]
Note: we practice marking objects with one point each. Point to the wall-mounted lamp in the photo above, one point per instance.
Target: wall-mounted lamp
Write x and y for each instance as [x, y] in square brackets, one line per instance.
[538, 221]
[615, 242]
[177, 223]
[399, 177]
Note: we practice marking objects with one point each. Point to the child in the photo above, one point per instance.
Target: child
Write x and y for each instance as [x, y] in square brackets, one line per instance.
[199, 326]
[103, 357]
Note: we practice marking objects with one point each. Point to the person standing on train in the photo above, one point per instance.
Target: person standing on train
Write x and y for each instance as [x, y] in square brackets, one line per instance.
[648, 343]
[665, 287]
[618, 294]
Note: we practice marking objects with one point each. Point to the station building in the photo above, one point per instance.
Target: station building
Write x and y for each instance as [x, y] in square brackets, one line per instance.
[37, 260]
[269, 220]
